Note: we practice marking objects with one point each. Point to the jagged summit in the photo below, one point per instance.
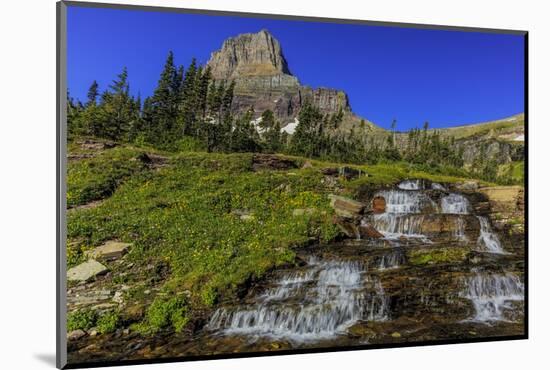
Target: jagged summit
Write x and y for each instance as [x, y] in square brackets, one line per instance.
[247, 55]
[257, 65]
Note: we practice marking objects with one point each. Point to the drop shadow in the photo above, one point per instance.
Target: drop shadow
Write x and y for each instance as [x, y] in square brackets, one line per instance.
[46, 358]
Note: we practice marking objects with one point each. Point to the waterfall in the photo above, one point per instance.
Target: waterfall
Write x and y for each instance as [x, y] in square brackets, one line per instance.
[399, 201]
[392, 260]
[411, 185]
[455, 203]
[492, 295]
[403, 212]
[322, 302]
[459, 233]
[394, 226]
[488, 241]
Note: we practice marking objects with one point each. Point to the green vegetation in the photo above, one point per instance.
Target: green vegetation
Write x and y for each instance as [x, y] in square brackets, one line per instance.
[188, 215]
[437, 256]
[165, 313]
[107, 322]
[86, 319]
[206, 222]
[190, 111]
[493, 128]
[97, 177]
[82, 319]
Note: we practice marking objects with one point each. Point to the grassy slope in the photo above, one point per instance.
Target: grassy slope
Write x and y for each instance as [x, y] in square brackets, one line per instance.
[493, 128]
[187, 216]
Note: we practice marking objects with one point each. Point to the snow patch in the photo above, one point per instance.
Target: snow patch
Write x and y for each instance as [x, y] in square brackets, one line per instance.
[291, 127]
[520, 138]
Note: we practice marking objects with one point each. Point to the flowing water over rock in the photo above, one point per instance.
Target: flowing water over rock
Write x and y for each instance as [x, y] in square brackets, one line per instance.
[488, 241]
[392, 260]
[439, 272]
[318, 303]
[455, 204]
[493, 295]
[411, 185]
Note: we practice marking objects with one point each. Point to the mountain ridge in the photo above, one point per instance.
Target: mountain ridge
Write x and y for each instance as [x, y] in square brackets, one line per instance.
[263, 80]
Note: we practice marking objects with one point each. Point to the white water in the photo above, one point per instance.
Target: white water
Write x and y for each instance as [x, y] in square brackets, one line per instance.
[393, 226]
[411, 185]
[488, 241]
[455, 204]
[399, 201]
[492, 295]
[459, 233]
[322, 302]
[403, 216]
[392, 260]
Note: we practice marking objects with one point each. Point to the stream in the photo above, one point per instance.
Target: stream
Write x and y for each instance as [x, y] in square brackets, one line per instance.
[374, 291]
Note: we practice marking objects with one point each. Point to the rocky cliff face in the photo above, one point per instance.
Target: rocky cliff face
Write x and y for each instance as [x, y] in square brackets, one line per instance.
[249, 55]
[255, 61]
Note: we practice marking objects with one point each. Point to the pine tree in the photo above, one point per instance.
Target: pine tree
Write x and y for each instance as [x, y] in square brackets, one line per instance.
[93, 93]
[163, 104]
[187, 112]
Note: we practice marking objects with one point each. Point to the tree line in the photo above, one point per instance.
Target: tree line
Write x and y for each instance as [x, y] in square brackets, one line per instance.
[189, 110]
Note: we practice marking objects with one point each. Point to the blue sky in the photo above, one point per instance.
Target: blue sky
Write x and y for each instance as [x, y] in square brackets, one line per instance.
[443, 77]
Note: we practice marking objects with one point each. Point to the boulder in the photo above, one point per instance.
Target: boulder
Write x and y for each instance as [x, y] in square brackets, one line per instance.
[346, 207]
[347, 225]
[368, 231]
[378, 205]
[468, 186]
[75, 334]
[111, 250]
[85, 271]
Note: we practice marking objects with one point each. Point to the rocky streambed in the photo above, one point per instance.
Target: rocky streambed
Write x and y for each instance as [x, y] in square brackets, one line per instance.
[422, 262]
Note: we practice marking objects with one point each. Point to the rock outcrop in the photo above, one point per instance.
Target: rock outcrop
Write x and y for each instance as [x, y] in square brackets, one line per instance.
[249, 55]
[257, 65]
[85, 271]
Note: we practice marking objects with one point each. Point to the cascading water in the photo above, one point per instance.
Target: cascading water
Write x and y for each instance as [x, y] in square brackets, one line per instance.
[403, 215]
[400, 201]
[411, 185]
[492, 295]
[320, 303]
[460, 233]
[488, 241]
[392, 260]
[394, 226]
[455, 204]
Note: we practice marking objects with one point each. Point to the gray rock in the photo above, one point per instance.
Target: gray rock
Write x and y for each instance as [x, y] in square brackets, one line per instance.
[346, 207]
[85, 271]
[118, 297]
[75, 334]
[256, 63]
[468, 186]
[111, 250]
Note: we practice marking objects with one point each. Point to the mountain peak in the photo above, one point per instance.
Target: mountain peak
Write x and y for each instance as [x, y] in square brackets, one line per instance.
[249, 55]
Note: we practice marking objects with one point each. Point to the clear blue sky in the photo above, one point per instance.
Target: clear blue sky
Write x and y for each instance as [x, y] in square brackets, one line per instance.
[443, 77]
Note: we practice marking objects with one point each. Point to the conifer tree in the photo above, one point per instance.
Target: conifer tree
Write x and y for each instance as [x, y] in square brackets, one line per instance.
[93, 93]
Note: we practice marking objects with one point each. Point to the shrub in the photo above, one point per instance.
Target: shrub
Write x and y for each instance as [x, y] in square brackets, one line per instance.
[108, 322]
[164, 313]
[81, 319]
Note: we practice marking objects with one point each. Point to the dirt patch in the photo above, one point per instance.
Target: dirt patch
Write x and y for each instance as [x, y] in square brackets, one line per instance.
[262, 162]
